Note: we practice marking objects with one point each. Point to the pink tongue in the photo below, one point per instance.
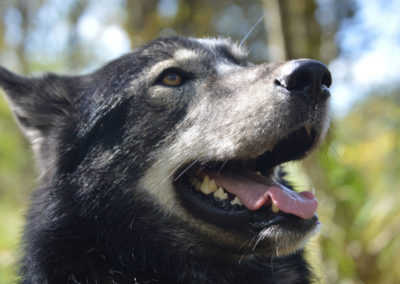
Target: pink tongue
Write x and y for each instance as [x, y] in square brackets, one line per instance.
[255, 191]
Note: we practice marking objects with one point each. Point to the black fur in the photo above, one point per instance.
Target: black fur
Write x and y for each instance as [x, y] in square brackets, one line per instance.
[88, 222]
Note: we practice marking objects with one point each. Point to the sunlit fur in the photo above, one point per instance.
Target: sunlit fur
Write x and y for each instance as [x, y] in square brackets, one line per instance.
[109, 146]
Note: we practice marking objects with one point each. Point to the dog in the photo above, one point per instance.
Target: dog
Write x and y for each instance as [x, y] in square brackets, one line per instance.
[163, 166]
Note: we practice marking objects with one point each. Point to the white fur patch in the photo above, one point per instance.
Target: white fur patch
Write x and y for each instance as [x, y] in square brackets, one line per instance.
[184, 54]
[158, 180]
[211, 43]
[224, 68]
[160, 66]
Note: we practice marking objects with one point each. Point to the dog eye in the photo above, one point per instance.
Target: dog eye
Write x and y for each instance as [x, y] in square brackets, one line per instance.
[172, 78]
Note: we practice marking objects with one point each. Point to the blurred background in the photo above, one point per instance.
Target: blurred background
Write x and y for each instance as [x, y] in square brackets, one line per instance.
[356, 174]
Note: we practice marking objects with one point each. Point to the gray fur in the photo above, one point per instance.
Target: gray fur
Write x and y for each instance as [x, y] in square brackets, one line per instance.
[110, 146]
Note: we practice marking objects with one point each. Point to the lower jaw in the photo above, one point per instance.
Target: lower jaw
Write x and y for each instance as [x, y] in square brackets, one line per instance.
[242, 232]
[284, 241]
[212, 214]
[239, 217]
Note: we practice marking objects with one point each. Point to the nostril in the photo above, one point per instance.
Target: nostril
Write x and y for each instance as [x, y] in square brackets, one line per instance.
[278, 83]
[326, 79]
[306, 78]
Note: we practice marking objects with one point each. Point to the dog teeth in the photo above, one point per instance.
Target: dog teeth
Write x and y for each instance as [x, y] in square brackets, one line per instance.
[274, 208]
[220, 194]
[206, 186]
[196, 183]
[236, 200]
[307, 126]
[212, 186]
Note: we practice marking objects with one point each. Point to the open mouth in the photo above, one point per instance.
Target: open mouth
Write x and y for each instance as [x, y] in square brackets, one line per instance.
[237, 192]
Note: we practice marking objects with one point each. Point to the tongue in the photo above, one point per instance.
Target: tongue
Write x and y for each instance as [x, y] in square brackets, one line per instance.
[256, 191]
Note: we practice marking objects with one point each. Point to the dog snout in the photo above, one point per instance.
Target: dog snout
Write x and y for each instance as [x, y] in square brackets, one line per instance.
[307, 78]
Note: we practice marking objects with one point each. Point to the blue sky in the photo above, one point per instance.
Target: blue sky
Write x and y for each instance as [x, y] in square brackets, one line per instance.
[370, 57]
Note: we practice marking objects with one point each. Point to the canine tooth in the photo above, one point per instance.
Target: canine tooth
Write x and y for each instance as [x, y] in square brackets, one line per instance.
[204, 184]
[212, 186]
[259, 173]
[208, 186]
[307, 126]
[236, 200]
[274, 208]
[220, 194]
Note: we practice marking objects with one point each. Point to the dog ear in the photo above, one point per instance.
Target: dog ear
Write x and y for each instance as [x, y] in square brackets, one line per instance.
[41, 105]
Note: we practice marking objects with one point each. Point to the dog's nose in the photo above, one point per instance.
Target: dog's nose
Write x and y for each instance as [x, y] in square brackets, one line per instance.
[307, 78]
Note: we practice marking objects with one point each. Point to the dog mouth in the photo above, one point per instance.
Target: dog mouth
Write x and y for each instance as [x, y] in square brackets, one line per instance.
[237, 192]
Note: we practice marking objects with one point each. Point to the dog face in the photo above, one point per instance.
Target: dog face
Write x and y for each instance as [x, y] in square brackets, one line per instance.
[185, 135]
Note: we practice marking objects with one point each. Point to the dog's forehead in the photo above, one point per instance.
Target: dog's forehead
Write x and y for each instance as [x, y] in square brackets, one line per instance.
[196, 53]
[218, 48]
[223, 46]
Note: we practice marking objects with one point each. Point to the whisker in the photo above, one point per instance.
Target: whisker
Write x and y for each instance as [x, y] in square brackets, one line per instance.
[222, 166]
[245, 249]
[260, 238]
[185, 170]
[172, 172]
[250, 31]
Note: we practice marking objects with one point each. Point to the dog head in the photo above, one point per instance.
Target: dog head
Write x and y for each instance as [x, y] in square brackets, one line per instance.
[190, 132]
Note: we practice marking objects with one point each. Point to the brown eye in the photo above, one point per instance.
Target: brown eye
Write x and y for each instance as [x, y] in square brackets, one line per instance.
[172, 79]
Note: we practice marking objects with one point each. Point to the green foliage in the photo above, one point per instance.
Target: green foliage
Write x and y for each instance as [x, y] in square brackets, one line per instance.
[11, 222]
[16, 178]
[15, 157]
[358, 185]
